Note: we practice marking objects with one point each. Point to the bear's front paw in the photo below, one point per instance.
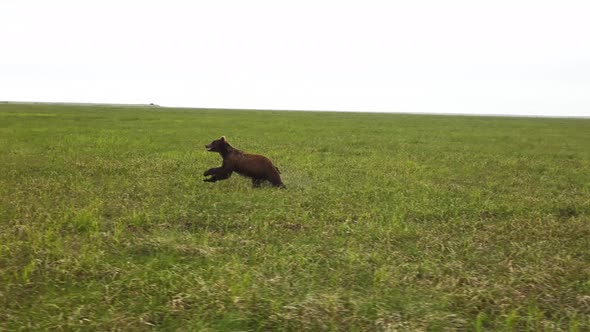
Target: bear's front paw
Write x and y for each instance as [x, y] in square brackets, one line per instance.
[209, 172]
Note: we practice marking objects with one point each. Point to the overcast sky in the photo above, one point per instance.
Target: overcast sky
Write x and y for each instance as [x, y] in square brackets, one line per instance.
[489, 57]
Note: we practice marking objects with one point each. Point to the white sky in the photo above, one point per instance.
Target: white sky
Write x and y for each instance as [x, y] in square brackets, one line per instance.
[495, 57]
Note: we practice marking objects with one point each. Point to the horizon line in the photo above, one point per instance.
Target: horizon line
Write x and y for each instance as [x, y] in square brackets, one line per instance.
[155, 106]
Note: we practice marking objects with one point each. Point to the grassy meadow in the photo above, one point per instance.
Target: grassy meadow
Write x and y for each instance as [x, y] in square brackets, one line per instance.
[389, 222]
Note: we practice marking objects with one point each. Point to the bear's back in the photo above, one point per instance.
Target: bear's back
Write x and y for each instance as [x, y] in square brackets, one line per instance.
[251, 165]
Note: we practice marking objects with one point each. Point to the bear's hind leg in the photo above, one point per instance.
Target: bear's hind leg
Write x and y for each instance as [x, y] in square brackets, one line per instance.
[256, 183]
[276, 181]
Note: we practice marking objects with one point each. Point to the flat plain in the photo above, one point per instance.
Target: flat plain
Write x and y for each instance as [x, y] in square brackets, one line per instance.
[389, 222]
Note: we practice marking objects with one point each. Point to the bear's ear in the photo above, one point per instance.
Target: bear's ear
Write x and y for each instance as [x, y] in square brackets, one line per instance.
[223, 138]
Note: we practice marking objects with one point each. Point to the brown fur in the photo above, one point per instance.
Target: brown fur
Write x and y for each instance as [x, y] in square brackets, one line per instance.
[257, 167]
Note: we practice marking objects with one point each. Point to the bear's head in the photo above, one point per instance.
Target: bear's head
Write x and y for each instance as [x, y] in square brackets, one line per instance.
[218, 145]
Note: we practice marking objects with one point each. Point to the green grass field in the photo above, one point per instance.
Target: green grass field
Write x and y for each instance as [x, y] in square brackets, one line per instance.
[390, 222]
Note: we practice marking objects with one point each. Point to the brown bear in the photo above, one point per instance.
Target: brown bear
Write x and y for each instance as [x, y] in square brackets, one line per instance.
[257, 167]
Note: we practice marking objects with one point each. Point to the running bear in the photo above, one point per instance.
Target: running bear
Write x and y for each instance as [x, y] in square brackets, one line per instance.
[257, 167]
